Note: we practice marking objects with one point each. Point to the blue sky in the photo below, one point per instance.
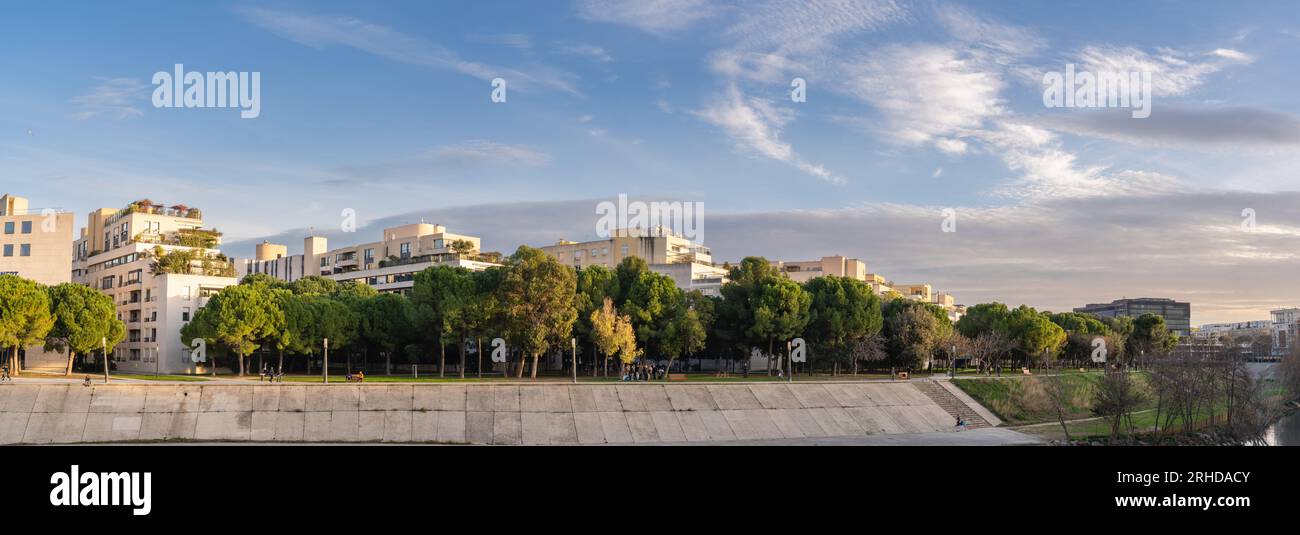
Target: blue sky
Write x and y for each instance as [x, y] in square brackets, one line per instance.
[383, 107]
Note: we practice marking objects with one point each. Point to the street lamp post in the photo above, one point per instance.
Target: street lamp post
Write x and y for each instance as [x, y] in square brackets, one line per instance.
[574, 342]
[789, 378]
[103, 344]
[325, 370]
[952, 362]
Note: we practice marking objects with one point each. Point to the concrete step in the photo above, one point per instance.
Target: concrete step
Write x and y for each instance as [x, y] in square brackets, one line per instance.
[950, 404]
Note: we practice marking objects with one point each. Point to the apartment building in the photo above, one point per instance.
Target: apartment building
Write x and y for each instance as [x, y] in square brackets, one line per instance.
[1285, 327]
[689, 264]
[1177, 315]
[34, 245]
[34, 242]
[839, 266]
[388, 265]
[160, 265]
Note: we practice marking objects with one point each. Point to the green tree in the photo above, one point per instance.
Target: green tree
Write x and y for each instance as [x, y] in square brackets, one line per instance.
[913, 331]
[612, 333]
[25, 316]
[262, 279]
[780, 311]
[242, 317]
[1150, 336]
[650, 303]
[315, 284]
[1034, 334]
[843, 310]
[685, 330]
[536, 297]
[595, 284]
[984, 318]
[386, 322]
[628, 272]
[442, 297]
[735, 311]
[483, 315]
[83, 319]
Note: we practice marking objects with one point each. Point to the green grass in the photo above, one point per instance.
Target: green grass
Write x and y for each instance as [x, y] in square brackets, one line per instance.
[1023, 400]
[151, 377]
[470, 378]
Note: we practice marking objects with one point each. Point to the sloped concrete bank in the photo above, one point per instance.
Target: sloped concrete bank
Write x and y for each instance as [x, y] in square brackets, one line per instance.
[548, 413]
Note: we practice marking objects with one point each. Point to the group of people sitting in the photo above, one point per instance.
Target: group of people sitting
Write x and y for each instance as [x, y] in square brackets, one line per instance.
[644, 372]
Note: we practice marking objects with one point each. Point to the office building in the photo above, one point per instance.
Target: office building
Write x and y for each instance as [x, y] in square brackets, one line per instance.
[1177, 315]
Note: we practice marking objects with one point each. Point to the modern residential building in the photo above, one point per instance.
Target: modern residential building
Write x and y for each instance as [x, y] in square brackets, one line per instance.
[160, 265]
[804, 270]
[1285, 329]
[388, 265]
[1211, 331]
[689, 264]
[1177, 315]
[34, 245]
[34, 242]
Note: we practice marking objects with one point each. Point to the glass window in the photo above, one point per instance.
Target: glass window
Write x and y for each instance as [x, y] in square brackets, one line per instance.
[9, 250]
[624, 250]
[25, 249]
[9, 227]
[185, 314]
[406, 250]
[27, 227]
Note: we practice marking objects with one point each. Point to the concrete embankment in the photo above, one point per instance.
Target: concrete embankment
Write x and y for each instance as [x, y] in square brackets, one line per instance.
[549, 413]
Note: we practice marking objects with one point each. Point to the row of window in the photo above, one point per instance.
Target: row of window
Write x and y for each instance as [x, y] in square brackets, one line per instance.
[22, 250]
[26, 227]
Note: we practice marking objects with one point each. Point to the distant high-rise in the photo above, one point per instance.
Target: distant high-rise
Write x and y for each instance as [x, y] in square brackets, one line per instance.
[1177, 315]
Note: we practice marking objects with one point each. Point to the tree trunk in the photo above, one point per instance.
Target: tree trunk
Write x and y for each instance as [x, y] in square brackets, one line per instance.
[769, 356]
[279, 368]
[442, 358]
[534, 377]
[241, 364]
[388, 363]
[478, 350]
[462, 354]
[72, 355]
[669, 369]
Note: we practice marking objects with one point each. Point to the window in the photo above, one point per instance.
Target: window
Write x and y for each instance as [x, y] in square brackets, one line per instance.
[370, 256]
[9, 227]
[27, 227]
[624, 250]
[406, 250]
[185, 314]
[593, 253]
[9, 250]
[577, 254]
[437, 244]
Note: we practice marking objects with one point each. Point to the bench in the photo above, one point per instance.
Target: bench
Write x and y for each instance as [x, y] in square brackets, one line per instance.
[676, 377]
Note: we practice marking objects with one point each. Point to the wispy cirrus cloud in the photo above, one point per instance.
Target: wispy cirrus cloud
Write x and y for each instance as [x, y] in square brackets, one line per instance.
[658, 17]
[755, 125]
[1173, 72]
[320, 31]
[118, 97]
[441, 160]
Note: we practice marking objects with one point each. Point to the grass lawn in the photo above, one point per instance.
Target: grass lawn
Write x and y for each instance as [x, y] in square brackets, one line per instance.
[470, 378]
[151, 377]
[1023, 400]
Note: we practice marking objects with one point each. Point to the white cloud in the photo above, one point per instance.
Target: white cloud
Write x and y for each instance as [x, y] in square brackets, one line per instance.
[658, 17]
[321, 32]
[1173, 72]
[119, 97]
[755, 124]
[583, 50]
[513, 40]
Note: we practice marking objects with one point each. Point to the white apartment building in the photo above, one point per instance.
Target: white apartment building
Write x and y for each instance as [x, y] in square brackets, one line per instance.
[34, 246]
[388, 265]
[688, 263]
[1286, 327]
[159, 265]
[802, 271]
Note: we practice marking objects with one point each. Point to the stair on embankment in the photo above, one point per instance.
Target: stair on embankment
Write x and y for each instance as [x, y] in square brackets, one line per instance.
[950, 404]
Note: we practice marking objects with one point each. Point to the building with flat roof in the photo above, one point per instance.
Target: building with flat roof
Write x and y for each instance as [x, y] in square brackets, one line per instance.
[1285, 329]
[802, 271]
[688, 263]
[388, 265]
[34, 242]
[160, 265]
[1177, 315]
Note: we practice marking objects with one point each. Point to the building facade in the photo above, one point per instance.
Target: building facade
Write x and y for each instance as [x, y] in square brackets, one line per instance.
[34, 242]
[388, 265]
[160, 265]
[1285, 327]
[1177, 315]
[802, 271]
[688, 263]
